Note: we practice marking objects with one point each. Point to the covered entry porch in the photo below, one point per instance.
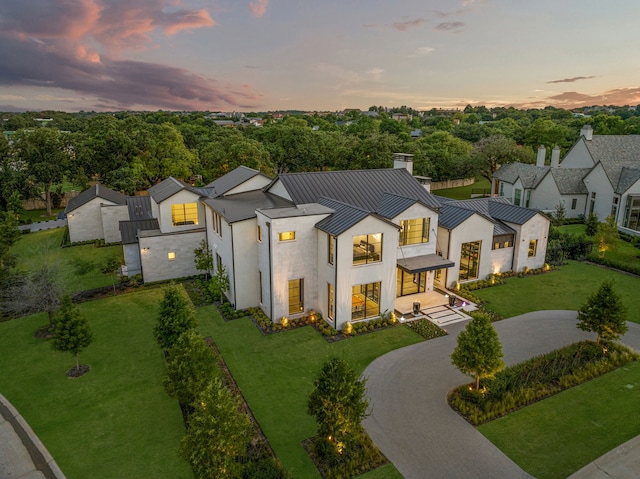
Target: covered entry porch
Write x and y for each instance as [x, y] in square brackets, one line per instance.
[415, 277]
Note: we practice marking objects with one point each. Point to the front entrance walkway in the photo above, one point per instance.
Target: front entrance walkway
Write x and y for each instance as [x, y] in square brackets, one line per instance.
[433, 306]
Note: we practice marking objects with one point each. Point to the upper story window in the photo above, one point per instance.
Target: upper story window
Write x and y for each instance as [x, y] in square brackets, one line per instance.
[501, 189]
[217, 224]
[516, 196]
[367, 248]
[574, 203]
[331, 249]
[414, 231]
[184, 214]
[259, 233]
[287, 236]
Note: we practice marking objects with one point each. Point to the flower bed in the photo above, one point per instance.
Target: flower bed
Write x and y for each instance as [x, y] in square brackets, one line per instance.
[426, 328]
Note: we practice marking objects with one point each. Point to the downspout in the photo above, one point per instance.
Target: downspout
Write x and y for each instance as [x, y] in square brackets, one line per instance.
[233, 267]
[449, 257]
[335, 281]
[268, 224]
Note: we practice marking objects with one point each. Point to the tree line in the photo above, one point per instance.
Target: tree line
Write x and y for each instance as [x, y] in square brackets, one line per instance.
[131, 151]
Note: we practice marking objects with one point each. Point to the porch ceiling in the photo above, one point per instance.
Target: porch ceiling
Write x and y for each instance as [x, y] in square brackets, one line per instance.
[427, 262]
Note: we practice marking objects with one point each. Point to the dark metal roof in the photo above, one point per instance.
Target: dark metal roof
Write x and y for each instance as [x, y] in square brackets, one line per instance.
[392, 205]
[96, 191]
[451, 216]
[243, 206]
[502, 229]
[361, 188]
[345, 217]
[427, 262]
[231, 180]
[139, 208]
[129, 229]
[169, 187]
[510, 213]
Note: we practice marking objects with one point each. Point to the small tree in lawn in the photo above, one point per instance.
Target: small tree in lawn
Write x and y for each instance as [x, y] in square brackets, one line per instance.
[606, 235]
[176, 316]
[218, 434]
[478, 353]
[591, 225]
[603, 313]
[203, 258]
[559, 214]
[219, 283]
[71, 333]
[338, 404]
[191, 365]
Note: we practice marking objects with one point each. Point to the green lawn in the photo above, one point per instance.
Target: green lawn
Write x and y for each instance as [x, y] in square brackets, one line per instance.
[116, 421]
[276, 373]
[463, 192]
[79, 266]
[565, 288]
[621, 253]
[555, 437]
[39, 215]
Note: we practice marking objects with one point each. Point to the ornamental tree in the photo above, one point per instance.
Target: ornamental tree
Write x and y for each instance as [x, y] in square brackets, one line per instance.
[176, 316]
[72, 333]
[478, 353]
[338, 404]
[603, 313]
[218, 434]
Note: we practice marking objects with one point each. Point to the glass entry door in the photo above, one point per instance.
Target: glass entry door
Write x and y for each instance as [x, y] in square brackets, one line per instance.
[410, 283]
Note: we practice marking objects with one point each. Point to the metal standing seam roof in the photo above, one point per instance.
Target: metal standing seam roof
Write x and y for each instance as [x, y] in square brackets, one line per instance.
[169, 187]
[391, 205]
[361, 188]
[427, 262]
[129, 229]
[344, 217]
[231, 180]
[615, 152]
[139, 207]
[96, 191]
[451, 216]
[510, 213]
[243, 206]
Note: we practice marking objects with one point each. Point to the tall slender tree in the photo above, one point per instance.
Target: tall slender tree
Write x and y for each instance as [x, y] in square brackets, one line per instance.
[72, 333]
[603, 313]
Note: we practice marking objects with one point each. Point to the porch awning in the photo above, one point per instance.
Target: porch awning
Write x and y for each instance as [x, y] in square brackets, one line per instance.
[427, 262]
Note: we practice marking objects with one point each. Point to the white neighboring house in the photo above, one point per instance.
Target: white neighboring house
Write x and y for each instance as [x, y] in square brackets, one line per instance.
[599, 175]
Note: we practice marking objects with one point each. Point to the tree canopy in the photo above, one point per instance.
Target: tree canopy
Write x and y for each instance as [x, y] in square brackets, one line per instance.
[603, 313]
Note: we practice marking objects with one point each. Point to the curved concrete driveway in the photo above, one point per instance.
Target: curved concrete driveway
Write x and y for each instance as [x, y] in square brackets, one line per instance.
[410, 419]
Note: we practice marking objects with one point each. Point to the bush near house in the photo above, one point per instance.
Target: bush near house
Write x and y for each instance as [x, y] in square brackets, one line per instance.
[537, 378]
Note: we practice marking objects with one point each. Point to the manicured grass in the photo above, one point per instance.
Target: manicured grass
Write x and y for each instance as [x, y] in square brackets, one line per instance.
[556, 437]
[565, 288]
[39, 215]
[621, 253]
[79, 266]
[463, 192]
[276, 374]
[116, 421]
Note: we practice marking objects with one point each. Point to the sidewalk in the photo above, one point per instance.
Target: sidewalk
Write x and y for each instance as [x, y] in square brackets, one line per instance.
[44, 225]
[22, 455]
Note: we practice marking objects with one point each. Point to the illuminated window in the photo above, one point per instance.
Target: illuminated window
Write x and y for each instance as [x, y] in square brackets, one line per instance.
[296, 296]
[331, 248]
[469, 260]
[184, 214]
[287, 236]
[533, 248]
[502, 241]
[414, 231]
[367, 248]
[171, 255]
[330, 301]
[365, 301]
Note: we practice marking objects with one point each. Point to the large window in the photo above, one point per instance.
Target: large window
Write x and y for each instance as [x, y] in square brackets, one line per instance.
[410, 283]
[414, 231]
[331, 247]
[296, 296]
[469, 261]
[516, 197]
[184, 214]
[217, 224]
[365, 301]
[367, 248]
[533, 248]
[330, 301]
[632, 213]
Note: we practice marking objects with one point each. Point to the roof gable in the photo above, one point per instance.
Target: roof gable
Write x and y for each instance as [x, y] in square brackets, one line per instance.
[169, 187]
[96, 191]
[615, 152]
[232, 180]
[344, 217]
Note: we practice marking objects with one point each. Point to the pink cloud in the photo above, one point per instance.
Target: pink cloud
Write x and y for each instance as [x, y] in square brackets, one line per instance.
[405, 25]
[259, 7]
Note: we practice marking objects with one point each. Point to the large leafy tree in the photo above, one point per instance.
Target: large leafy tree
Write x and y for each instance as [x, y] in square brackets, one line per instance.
[603, 313]
[337, 402]
[491, 152]
[445, 156]
[72, 333]
[218, 434]
[176, 316]
[191, 365]
[46, 152]
[478, 353]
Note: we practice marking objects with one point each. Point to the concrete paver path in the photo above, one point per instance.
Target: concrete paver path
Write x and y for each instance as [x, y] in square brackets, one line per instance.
[410, 419]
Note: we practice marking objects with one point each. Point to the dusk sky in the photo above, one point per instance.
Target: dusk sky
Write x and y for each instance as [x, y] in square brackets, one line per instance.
[263, 55]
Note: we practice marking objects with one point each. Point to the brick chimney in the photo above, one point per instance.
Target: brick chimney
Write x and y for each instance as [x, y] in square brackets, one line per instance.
[542, 153]
[587, 132]
[555, 157]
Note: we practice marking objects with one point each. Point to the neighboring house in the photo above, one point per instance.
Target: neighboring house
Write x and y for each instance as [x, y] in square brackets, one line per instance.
[350, 244]
[95, 214]
[599, 175]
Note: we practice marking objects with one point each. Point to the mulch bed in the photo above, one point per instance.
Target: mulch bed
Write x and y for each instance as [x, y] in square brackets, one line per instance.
[78, 372]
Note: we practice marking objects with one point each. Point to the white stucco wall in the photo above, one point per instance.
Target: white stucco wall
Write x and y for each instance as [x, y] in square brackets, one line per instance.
[474, 228]
[111, 217]
[264, 263]
[326, 275]
[156, 266]
[245, 262]
[85, 222]
[256, 183]
[278, 189]
[546, 195]
[222, 246]
[598, 182]
[578, 156]
[501, 260]
[537, 228]
[165, 220]
[418, 211]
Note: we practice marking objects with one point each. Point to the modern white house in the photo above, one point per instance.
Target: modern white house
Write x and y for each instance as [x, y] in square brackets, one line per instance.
[351, 245]
[599, 175]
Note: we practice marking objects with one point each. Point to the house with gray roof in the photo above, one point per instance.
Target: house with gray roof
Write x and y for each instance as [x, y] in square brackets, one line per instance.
[599, 175]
